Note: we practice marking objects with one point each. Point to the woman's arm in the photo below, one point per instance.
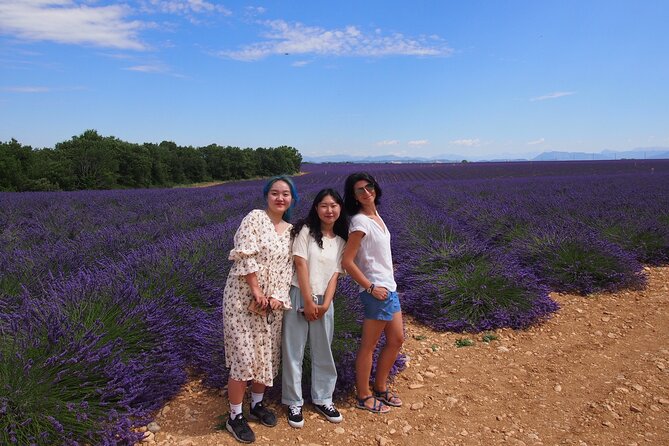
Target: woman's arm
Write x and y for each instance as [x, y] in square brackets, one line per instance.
[347, 259]
[256, 291]
[310, 308]
[328, 297]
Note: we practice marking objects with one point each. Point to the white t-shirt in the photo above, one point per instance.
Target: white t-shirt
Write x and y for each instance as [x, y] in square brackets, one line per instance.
[374, 257]
[322, 263]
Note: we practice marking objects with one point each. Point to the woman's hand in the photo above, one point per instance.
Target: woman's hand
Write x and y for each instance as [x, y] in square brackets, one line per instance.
[322, 309]
[259, 297]
[380, 293]
[275, 304]
[310, 310]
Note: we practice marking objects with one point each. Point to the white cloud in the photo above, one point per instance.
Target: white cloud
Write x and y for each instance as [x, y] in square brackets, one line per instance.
[26, 89]
[154, 67]
[536, 142]
[184, 7]
[66, 21]
[255, 10]
[295, 38]
[150, 68]
[419, 142]
[557, 94]
[387, 142]
[300, 63]
[473, 142]
[30, 89]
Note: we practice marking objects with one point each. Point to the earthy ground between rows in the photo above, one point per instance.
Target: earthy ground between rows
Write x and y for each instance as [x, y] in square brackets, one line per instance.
[596, 373]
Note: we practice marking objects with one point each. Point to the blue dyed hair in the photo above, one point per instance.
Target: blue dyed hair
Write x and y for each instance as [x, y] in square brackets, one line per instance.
[293, 192]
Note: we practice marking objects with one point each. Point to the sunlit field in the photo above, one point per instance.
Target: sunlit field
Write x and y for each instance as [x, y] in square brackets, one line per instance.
[109, 299]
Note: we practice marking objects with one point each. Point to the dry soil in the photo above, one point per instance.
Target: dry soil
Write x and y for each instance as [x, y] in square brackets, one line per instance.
[596, 373]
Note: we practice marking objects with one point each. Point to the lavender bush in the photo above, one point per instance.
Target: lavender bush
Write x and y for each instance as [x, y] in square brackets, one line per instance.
[579, 262]
[457, 282]
[85, 362]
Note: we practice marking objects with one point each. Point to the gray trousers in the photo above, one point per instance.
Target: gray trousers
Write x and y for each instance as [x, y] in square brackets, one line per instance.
[296, 332]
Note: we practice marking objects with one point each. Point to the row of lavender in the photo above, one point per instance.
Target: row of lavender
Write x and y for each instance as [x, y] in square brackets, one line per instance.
[480, 246]
[106, 297]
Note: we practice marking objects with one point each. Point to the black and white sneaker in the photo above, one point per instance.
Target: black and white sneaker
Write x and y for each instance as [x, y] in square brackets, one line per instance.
[295, 418]
[329, 412]
[240, 429]
[262, 414]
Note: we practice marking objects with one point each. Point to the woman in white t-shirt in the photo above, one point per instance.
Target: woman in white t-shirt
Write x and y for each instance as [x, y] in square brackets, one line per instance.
[318, 245]
[367, 259]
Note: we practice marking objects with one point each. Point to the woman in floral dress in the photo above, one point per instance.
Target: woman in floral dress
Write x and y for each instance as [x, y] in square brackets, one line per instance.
[256, 293]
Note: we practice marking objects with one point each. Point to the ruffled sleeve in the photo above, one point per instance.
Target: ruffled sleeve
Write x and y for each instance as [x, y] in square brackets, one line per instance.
[284, 273]
[246, 249]
[282, 289]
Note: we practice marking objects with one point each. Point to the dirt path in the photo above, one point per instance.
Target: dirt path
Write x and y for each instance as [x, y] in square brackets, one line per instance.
[597, 373]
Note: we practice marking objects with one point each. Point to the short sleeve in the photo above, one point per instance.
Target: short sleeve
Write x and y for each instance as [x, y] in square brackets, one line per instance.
[246, 249]
[301, 243]
[340, 253]
[357, 224]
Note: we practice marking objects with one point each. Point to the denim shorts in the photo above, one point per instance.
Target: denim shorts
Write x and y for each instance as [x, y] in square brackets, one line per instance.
[380, 310]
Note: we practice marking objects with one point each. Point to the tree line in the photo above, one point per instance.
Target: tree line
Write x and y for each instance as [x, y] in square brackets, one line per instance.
[92, 161]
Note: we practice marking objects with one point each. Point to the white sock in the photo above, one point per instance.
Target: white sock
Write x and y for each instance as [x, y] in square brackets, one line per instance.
[256, 398]
[235, 409]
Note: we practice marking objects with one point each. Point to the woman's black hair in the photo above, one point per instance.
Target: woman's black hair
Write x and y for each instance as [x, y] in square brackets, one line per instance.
[350, 201]
[314, 223]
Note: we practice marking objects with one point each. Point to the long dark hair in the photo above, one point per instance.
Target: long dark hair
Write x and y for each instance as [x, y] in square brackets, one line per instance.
[314, 223]
[350, 201]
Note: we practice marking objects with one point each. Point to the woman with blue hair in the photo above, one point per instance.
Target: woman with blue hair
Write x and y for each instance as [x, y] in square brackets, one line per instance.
[256, 293]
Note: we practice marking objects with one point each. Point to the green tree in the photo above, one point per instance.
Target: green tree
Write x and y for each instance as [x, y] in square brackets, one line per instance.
[50, 171]
[134, 165]
[175, 167]
[15, 165]
[194, 165]
[92, 160]
[219, 163]
[160, 165]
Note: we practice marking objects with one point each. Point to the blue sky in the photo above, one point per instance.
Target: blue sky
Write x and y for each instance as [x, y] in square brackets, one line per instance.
[477, 78]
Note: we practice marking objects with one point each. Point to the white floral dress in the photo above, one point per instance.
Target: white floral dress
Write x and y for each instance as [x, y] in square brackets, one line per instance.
[252, 345]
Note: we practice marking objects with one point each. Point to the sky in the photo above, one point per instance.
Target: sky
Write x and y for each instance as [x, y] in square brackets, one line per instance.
[478, 78]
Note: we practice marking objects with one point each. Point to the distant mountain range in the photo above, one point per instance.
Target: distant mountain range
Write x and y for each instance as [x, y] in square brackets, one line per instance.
[638, 153]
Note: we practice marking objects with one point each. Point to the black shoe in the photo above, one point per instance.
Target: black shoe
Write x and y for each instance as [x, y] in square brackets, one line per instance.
[295, 418]
[262, 414]
[240, 429]
[329, 412]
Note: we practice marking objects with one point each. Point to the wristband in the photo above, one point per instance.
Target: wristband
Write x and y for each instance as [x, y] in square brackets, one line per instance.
[370, 289]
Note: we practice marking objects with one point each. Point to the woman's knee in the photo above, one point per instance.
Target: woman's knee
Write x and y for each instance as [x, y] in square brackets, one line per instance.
[395, 340]
[395, 335]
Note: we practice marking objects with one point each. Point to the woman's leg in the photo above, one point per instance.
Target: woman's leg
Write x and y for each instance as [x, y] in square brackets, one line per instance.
[257, 387]
[371, 332]
[323, 370]
[236, 391]
[394, 331]
[293, 340]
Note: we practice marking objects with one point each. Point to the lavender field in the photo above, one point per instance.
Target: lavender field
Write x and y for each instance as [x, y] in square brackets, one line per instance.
[108, 299]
